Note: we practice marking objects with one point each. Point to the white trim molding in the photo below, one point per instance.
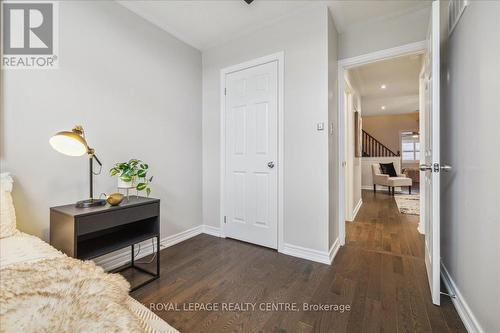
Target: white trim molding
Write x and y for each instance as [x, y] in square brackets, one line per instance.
[398, 51]
[279, 57]
[210, 230]
[464, 311]
[311, 254]
[356, 209]
[333, 250]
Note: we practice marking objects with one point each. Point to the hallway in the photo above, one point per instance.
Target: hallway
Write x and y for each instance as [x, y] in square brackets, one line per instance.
[380, 228]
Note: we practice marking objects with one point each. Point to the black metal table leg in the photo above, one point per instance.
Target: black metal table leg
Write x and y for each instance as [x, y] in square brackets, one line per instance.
[132, 260]
[158, 256]
[155, 275]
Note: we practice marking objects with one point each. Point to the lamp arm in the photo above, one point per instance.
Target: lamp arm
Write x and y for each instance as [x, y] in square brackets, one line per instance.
[97, 160]
[92, 157]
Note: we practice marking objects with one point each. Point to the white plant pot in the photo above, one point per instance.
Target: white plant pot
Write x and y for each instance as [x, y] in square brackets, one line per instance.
[123, 184]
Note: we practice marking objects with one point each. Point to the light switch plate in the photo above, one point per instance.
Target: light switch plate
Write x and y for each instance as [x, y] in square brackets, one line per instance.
[320, 126]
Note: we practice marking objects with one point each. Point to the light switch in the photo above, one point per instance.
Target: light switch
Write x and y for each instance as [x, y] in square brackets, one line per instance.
[320, 126]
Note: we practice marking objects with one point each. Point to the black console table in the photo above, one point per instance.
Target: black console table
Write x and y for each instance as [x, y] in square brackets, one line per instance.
[87, 233]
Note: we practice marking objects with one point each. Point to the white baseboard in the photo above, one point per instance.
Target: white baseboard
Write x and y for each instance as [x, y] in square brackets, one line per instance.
[464, 311]
[306, 253]
[209, 230]
[333, 250]
[356, 209]
[122, 258]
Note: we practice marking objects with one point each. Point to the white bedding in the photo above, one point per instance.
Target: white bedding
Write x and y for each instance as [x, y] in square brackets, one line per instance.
[24, 248]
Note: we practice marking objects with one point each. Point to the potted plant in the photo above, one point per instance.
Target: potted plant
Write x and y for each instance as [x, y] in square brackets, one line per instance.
[132, 174]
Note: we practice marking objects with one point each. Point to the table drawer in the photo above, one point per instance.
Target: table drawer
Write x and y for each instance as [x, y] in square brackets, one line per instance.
[96, 222]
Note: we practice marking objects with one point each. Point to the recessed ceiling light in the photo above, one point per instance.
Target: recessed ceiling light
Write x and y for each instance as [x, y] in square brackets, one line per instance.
[383, 107]
[383, 86]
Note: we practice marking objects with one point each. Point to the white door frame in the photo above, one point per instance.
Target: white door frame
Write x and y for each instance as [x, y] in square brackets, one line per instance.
[343, 65]
[279, 58]
[422, 129]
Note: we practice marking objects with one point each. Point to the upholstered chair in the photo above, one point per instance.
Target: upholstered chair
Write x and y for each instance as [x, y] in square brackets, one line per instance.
[391, 182]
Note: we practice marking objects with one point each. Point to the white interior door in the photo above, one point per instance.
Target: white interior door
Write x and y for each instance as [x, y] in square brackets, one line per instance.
[431, 167]
[251, 150]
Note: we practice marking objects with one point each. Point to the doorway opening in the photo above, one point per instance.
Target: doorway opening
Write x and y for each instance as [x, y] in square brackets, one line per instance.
[382, 145]
[397, 231]
[387, 135]
[380, 96]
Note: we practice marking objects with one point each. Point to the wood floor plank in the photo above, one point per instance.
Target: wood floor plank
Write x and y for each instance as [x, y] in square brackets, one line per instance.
[380, 273]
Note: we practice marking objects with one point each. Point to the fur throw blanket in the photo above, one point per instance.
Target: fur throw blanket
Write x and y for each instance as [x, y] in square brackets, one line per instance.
[63, 295]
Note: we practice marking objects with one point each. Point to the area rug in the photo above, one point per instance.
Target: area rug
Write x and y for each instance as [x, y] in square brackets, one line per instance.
[408, 204]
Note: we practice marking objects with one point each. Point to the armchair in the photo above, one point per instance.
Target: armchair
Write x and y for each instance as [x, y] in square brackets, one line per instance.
[391, 182]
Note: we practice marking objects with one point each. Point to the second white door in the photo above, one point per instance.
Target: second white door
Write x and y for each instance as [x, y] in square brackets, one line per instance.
[251, 151]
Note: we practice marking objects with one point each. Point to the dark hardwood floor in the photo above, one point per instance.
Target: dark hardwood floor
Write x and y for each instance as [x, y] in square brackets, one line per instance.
[380, 273]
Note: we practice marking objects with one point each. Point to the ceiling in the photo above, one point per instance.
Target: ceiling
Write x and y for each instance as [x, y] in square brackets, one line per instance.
[401, 79]
[207, 23]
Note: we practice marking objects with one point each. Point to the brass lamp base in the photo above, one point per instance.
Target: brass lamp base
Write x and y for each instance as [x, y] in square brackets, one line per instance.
[90, 203]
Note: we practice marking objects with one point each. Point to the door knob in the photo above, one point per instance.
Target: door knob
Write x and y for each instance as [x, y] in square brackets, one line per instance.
[270, 164]
[425, 167]
[436, 167]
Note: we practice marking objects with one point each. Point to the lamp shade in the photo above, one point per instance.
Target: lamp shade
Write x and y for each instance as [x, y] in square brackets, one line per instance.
[69, 143]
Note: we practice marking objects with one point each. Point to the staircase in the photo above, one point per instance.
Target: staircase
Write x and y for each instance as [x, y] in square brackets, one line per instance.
[374, 148]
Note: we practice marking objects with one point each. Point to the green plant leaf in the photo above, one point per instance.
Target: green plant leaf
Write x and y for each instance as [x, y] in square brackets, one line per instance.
[133, 169]
[148, 191]
[130, 173]
[126, 178]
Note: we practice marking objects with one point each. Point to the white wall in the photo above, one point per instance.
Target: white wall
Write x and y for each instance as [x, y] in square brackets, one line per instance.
[332, 135]
[353, 166]
[137, 92]
[303, 38]
[470, 219]
[356, 166]
[384, 33]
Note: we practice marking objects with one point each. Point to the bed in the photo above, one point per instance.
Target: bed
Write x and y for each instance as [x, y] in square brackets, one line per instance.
[76, 296]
